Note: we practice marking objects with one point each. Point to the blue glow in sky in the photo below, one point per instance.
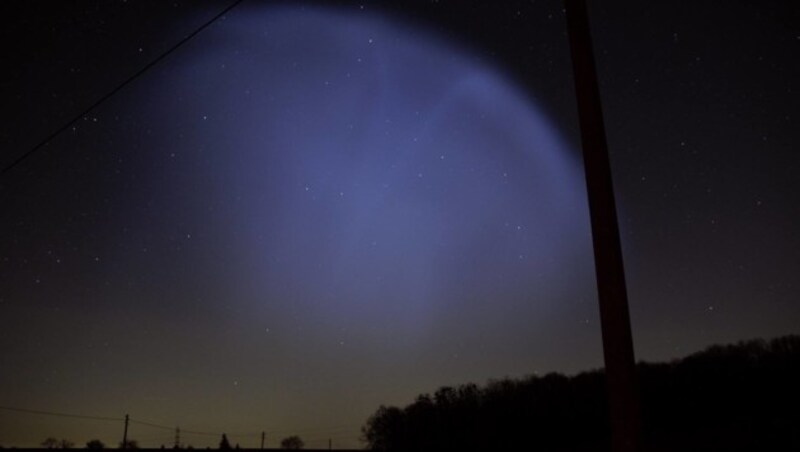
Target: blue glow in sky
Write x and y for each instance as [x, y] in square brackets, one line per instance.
[348, 205]
[355, 175]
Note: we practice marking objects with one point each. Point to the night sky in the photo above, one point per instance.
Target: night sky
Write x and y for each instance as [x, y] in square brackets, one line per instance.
[311, 209]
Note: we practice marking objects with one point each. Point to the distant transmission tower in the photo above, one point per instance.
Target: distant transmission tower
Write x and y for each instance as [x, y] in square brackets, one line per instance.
[177, 438]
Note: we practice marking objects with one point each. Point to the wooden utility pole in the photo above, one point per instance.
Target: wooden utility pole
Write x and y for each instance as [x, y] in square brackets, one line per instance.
[610, 274]
[125, 433]
[263, 434]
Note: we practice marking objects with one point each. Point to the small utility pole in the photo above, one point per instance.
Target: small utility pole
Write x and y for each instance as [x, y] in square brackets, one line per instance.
[611, 291]
[330, 444]
[125, 433]
[177, 438]
[262, 440]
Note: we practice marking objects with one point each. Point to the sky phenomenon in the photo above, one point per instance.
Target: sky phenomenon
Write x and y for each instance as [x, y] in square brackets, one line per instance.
[311, 210]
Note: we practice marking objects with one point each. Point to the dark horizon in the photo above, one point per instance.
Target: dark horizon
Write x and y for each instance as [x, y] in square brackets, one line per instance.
[312, 209]
[758, 372]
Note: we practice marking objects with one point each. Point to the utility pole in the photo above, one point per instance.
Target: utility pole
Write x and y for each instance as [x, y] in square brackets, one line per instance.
[125, 433]
[609, 270]
[262, 440]
[177, 438]
[330, 444]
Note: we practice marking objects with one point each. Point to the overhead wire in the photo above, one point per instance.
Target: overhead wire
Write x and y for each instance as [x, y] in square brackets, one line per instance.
[311, 430]
[313, 435]
[188, 432]
[64, 127]
[131, 420]
[151, 425]
[69, 415]
[118, 88]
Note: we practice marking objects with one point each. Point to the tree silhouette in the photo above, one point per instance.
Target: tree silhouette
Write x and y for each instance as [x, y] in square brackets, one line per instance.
[224, 444]
[131, 444]
[95, 444]
[292, 443]
[52, 443]
[734, 397]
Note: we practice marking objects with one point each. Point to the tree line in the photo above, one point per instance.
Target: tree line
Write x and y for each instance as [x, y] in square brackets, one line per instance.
[293, 442]
[744, 396]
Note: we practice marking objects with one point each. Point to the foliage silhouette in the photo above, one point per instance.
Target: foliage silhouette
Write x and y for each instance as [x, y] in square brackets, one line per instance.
[95, 444]
[52, 443]
[292, 443]
[131, 444]
[224, 444]
[734, 397]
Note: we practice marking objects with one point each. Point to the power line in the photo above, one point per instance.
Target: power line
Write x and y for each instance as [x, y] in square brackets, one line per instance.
[314, 433]
[53, 413]
[152, 425]
[184, 431]
[313, 430]
[194, 432]
[119, 87]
